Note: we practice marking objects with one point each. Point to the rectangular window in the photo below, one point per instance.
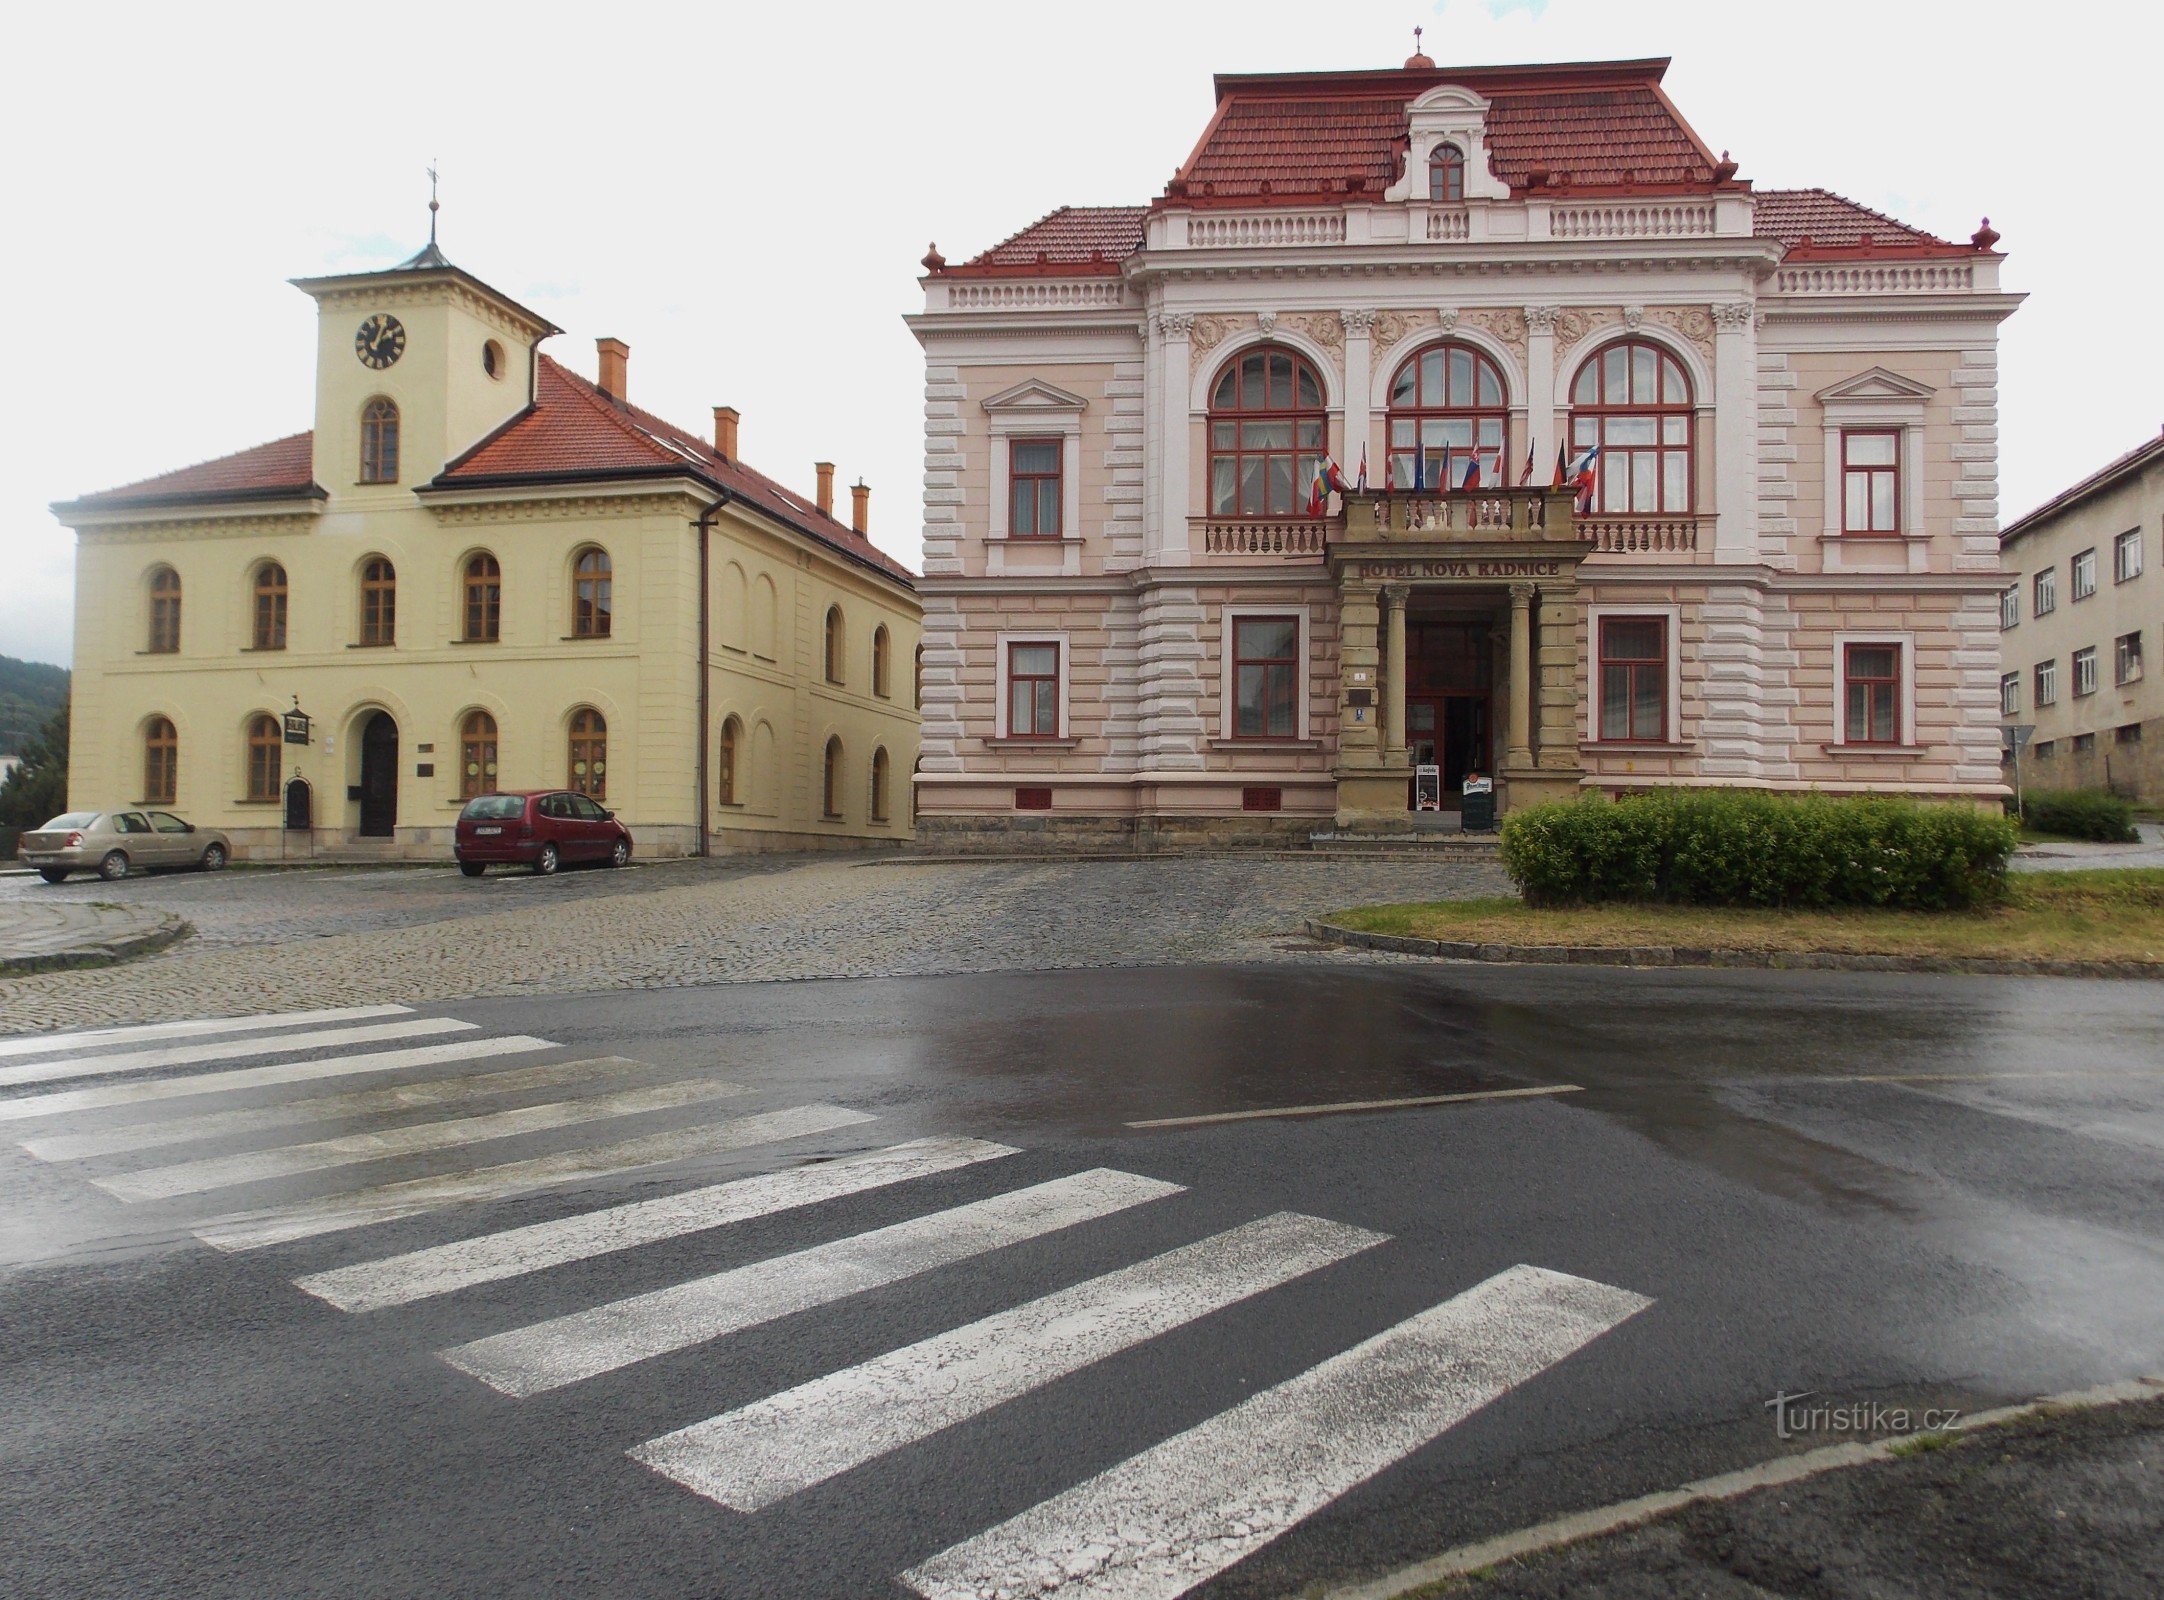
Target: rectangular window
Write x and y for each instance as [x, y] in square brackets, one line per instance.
[2126, 556]
[1033, 799]
[2044, 751]
[1033, 691]
[1871, 675]
[2084, 575]
[2047, 683]
[1634, 679]
[2047, 593]
[1265, 677]
[2083, 743]
[2009, 693]
[2010, 607]
[2085, 671]
[1258, 798]
[1870, 481]
[2126, 733]
[2126, 658]
[1033, 488]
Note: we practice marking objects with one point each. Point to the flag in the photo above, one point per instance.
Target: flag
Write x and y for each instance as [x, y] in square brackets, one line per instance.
[1472, 472]
[1583, 477]
[1334, 477]
[1319, 493]
[1420, 466]
[1362, 486]
[1390, 473]
[1526, 476]
[1442, 481]
[1558, 466]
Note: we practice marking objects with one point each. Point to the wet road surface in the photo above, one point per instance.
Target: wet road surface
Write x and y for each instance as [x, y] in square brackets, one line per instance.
[269, 1329]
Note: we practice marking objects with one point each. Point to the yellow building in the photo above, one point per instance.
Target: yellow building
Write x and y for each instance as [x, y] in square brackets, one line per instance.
[478, 571]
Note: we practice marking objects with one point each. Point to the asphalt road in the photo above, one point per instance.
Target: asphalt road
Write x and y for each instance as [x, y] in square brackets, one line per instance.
[1911, 1191]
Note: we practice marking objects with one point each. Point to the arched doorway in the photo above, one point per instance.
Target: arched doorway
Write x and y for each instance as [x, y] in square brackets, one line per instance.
[379, 777]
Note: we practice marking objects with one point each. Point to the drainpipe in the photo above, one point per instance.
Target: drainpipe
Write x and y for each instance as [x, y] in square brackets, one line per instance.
[705, 527]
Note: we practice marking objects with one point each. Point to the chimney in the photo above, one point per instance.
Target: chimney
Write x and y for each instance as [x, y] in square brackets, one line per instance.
[860, 513]
[615, 360]
[825, 469]
[725, 420]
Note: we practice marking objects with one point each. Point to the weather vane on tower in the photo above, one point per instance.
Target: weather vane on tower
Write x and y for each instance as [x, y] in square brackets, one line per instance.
[433, 207]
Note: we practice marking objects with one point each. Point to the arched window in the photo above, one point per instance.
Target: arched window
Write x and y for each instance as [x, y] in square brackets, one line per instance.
[269, 632]
[834, 661]
[882, 649]
[879, 784]
[161, 762]
[593, 601]
[589, 754]
[1266, 434]
[726, 762]
[379, 601]
[164, 612]
[830, 803]
[265, 757]
[379, 442]
[1633, 401]
[1446, 174]
[1447, 403]
[476, 755]
[483, 586]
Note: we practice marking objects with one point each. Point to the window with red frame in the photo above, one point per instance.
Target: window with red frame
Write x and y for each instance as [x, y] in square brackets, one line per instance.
[1266, 435]
[1446, 174]
[1033, 488]
[1871, 679]
[1265, 677]
[1033, 691]
[1634, 679]
[1447, 403]
[1633, 400]
[1870, 481]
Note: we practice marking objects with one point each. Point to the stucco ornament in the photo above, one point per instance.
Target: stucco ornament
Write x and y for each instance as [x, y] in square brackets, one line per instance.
[1176, 324]
[1267, 322]
[1505, 323]
[1447, 319]
[1391, 326]
[1542, 319]
[1632, 316]
[1321, 326]
[1213, 329]
[1733, 316]
[1358, 321]
[1694, 323]
[1578, 322]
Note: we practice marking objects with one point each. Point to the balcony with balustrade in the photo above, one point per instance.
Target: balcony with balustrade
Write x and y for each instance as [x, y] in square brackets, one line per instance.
[1479, 516]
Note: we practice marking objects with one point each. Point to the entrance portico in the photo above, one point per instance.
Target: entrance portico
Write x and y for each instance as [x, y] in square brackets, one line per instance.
[1456, 608]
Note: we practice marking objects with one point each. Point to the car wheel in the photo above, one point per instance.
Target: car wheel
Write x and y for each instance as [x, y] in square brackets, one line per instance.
[621, 855]
[546, 862]
[214, 858]
[53, 874]
[114, 867]
[473, 869]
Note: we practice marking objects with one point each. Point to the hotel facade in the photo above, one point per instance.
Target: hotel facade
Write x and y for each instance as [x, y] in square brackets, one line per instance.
[1784, 575]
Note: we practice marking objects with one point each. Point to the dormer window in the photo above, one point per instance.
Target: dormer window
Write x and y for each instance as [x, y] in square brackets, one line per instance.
[1446, 174]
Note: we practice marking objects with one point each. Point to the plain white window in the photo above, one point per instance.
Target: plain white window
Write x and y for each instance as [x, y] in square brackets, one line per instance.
[2010, 607]
[2126, 657]
[2009, 694]
[2047, 683]
[2085, 671]
[2047, 593]
[2126, 556]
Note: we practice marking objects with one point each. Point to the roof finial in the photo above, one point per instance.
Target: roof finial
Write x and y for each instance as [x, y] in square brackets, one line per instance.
[1419, 58]
[433, 207]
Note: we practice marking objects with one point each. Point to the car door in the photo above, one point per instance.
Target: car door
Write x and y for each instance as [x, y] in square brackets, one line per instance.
[557, 825]
[175, 840]
[136, 841]
[596, 832]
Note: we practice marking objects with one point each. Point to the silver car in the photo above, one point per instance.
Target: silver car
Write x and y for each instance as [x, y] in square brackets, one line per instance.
[115, 843]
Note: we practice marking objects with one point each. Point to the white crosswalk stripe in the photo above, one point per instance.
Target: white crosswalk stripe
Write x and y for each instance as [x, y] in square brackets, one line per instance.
[98, 1097]
[386, 1202]
[527, 1361]
[223, 1172]
[324, 1108]
[749, 1458]
[1176, 1515]
[422, 1274]
[38, 1044]
[183, 1055]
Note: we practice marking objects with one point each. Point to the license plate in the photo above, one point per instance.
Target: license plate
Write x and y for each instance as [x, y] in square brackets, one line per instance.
[488, 830]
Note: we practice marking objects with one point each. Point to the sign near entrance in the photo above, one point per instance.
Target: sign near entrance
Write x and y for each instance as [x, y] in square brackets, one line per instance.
[1427, 788]
[1462, 569]
[296, 725]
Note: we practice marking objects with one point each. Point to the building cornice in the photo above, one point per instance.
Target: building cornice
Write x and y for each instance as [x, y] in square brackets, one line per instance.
[138, 529]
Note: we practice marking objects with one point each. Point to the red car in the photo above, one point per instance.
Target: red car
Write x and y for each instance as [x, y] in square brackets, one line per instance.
[539, 828]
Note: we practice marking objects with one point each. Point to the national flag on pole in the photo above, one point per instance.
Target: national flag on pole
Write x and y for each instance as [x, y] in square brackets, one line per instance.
[1320, 493]
[1526, 476]
[1420, 467]
[1361, 486]
[1334, 477]
[1442, 481]
[1559, 464]
[1583, 477]
[1472, 472]
[1390, 474]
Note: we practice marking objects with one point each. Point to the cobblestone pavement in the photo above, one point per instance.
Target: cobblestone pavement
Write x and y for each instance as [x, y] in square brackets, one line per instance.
[291, 940]
[34, 934]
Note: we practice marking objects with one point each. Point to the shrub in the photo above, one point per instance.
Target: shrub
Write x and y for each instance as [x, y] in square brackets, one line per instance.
[1725, 847]
[2081, 814]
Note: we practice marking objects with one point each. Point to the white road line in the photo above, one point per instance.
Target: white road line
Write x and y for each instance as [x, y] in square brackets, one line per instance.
[251, 1166]
[387, 1201]
[750, 1458]
[182, 1055]
[1358, 1105]
[1164, 1521]
[323, 1108]
[547, 1355]
[101, 1096]
[38, 1044]
[401, 1280]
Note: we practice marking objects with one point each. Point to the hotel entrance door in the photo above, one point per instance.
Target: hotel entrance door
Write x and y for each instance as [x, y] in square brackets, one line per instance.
[1448, 694]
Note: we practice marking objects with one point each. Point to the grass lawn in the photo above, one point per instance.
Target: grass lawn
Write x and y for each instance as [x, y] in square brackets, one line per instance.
[2115, 915]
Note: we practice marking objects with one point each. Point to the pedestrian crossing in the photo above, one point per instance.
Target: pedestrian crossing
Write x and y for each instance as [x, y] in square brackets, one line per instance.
[425, 1121]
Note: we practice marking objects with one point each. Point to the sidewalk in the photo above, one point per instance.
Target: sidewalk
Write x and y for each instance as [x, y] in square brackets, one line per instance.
[2076, 855]
[41, 938]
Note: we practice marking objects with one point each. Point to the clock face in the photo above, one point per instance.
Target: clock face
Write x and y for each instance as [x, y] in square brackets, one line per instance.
[380, 341]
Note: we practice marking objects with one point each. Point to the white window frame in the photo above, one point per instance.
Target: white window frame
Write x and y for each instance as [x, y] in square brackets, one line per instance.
[1034, 410]
[2010, 607]
[1004, 676]
[1905, 701]
[2045, 676]
[2119, 674]
[2009, 694]
[1674, 617]
[2044, 585]
[2074, 575]
[2121, 570]
[2085, 671]
[1226, 672]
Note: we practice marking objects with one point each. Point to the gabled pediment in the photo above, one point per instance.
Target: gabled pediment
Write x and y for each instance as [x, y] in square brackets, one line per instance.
[1876, 384]
[1034, 394]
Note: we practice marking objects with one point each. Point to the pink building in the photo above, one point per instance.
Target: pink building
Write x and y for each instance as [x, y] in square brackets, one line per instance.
[1784, 574]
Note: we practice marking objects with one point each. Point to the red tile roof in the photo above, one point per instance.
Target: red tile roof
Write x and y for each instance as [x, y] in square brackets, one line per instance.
[284, 467]
[1094, 238]
[1811, 221]
[574, 432]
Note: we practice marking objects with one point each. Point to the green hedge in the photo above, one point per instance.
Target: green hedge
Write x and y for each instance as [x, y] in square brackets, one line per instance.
[1725, 847]
[2081, 814]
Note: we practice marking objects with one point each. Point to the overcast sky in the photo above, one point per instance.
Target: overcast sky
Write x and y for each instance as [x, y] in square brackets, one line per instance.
[743, 192]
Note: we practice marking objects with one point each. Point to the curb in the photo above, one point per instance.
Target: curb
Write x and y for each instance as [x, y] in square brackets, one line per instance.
[1671, 955]
[1581, 1525]
[106, 953]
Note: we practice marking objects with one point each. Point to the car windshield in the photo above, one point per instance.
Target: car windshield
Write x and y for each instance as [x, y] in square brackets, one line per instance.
[70, 819]
[495, 807]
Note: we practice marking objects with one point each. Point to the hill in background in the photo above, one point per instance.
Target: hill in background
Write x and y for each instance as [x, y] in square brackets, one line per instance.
[30, 692]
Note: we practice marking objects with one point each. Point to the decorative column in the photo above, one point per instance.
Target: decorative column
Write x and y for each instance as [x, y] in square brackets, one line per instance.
[1540, 324]
[1167, 541]
[1359, 387]
[1518, 738]
[1394, 595]
[1735, 430]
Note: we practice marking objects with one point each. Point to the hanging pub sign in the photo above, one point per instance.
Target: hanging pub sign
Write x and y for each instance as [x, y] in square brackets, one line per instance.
[296, 724]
